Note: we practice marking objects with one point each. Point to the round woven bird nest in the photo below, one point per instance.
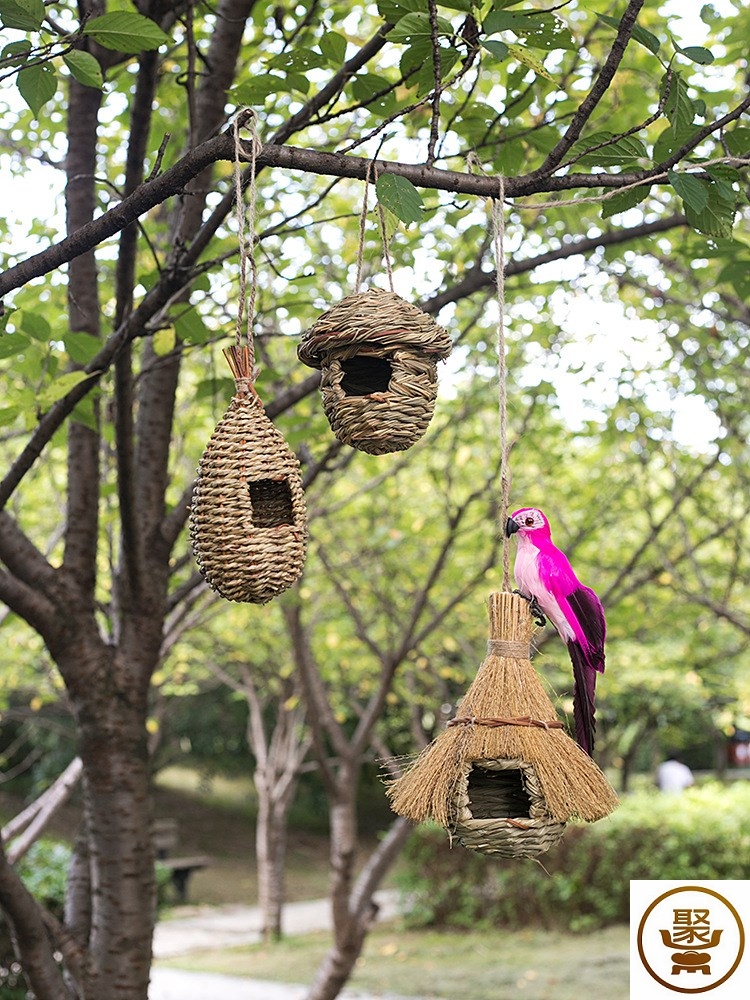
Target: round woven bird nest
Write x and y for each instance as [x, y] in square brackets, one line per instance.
[504, 778]
[248, 523]
[378, 356]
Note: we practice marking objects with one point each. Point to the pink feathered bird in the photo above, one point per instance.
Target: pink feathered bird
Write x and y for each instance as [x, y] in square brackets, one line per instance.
[546, 578]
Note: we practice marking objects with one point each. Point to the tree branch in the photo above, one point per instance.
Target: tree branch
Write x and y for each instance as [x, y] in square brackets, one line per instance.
[173, 181]
[124, 285]
[33, 945]
[29, 825]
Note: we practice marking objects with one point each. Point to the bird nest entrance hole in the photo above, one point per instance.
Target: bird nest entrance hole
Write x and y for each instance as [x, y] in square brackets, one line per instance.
[500, 810]
[379, 403]
[499, 794]
[272, 504]
[364, 374]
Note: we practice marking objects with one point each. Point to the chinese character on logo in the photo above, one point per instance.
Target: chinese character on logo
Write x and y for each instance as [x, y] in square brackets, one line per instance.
[691, 933]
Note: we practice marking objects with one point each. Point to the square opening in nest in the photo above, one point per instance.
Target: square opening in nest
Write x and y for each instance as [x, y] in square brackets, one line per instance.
[271, 500]
[365, 374]
[497, 794]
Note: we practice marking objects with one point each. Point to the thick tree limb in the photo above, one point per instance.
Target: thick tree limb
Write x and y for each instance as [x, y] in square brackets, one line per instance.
[140, 124]
[173, 182]
[81, 527]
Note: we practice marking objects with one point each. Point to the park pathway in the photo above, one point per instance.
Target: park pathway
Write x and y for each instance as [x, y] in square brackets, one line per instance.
[203, 928]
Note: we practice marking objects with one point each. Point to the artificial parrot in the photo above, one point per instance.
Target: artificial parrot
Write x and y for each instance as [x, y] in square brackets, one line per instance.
[546, 578]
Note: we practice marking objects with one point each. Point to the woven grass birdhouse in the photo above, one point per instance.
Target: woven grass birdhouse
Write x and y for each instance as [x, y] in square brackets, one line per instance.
[248, 524]
[504, 778]
[378, 356]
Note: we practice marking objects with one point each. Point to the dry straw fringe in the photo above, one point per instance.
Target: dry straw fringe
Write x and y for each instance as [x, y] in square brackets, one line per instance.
[570, 784]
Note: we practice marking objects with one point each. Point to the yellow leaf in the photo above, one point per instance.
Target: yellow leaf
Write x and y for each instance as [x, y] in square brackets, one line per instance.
[523, 56]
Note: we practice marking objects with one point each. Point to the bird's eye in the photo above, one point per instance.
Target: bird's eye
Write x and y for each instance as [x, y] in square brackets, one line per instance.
[529, 521]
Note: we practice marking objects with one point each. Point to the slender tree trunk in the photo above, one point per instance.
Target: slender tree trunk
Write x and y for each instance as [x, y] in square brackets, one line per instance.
[270, 850]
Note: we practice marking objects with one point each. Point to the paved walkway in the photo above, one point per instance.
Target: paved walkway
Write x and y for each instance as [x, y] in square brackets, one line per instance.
[203, 928]
[175, 984]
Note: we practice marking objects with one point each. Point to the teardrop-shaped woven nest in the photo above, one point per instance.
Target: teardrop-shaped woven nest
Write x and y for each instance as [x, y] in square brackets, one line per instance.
[378, 355]
[248, 523]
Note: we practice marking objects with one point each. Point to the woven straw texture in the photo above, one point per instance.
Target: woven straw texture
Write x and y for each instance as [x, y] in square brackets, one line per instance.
[378, 409]
[452, 779]
[536, 831]
[248, 524]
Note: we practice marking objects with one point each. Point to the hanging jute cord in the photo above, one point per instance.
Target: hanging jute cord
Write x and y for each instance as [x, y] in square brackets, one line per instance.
[498, 241]
[246, 226]
[369, 172]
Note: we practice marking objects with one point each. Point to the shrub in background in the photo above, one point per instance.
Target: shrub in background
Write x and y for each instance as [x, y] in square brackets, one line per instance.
[584, 882]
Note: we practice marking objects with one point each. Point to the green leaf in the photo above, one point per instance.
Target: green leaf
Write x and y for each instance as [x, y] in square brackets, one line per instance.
[717, 218]
[417, 25]
[541, 31]
[126, 31]
[399, 196]
[26, 15]
[298, 82]
[625, 200]
[333, 47]
[496, 48]
[297, 60]
[8, 415]
[524, 57]
[189, 326]
[697, 54]
[85, 413]
[12, 344]
[36, 326]
[254, 92]
[61, 386]
[82, 347]
[417, 64]
[678, 108]
[367, 85]
[640, 34]
[393, 10]
[613, 151]
[692, 190]
[737, 274]
[738, 141]
[15, 52]
[37, 84]
[164, 341]
[670, 140]
[84, 68]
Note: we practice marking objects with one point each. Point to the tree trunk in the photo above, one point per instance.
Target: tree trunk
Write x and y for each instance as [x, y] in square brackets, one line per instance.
[110, 715]
[270, 852]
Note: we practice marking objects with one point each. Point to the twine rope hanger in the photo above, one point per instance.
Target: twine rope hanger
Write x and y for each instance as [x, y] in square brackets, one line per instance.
[370, 171]
[246, 223]
[503, 647]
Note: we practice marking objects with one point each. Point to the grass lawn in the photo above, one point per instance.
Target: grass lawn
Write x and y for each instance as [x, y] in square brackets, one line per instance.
[472, 965]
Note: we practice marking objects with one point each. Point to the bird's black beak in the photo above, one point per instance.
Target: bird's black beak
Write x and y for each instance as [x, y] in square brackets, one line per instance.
[511, 527]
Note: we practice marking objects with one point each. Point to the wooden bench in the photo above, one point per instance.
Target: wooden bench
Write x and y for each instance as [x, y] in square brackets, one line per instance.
[180, 868]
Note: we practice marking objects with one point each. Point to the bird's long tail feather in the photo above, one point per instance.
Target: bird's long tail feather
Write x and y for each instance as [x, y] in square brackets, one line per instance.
[584, 678]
